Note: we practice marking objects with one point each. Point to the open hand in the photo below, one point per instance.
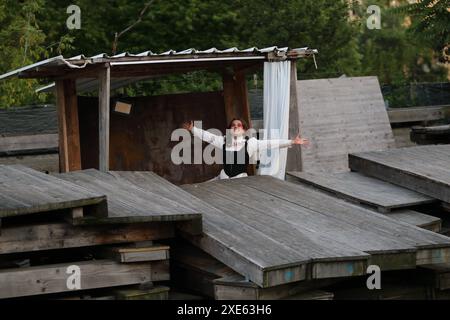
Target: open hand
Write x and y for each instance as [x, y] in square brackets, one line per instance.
[298, 140]
[188, 125]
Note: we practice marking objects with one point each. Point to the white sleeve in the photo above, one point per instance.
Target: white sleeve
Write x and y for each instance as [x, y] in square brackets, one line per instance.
[208, 137]
[255, 145]
[273, 144]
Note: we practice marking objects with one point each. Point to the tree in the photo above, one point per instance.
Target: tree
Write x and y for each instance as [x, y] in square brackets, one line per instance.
[21, 40]
[430, 22]
[319, 24]
[392, 53]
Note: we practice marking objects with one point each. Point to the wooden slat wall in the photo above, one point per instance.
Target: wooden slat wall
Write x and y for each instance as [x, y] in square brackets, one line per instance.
[142, 140]
[341, 116]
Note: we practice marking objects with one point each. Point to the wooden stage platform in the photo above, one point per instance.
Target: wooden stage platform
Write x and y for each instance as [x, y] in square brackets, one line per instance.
[134, 197]
[302, 233]
[398, 202]
[425, 169]
[25, 191]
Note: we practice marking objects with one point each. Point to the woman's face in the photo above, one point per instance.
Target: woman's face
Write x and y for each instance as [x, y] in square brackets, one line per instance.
[237, 128]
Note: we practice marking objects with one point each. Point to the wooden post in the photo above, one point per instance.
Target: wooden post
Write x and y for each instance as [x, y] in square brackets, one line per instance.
[241, 97]
[103, 117]
[294, 160]
[228, 96]
[243, 107]
[69, 132]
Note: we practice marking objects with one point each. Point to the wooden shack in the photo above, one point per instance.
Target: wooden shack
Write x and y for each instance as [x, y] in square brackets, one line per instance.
[92, 135]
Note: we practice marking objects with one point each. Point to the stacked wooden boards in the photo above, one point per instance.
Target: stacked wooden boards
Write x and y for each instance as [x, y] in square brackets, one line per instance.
[105, 229]
[424, 169]
[377, 194]
[134, 196]
[195, 270]
[341, 116]
[285, 232]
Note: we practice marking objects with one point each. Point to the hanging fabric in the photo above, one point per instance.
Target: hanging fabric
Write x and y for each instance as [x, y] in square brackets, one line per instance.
[276, 116]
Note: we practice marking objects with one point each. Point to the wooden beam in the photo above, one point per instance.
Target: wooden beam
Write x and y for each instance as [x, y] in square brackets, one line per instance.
[241, 97]
[28, 144]
[63, 236]
[62, 127]
[294, 160]
[127, 254]
[39, 280]
[228, 96]
[69, 133]
[243, 107]
[104, 112]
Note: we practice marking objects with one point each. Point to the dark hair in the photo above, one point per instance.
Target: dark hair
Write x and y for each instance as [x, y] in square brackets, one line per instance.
[244, 123]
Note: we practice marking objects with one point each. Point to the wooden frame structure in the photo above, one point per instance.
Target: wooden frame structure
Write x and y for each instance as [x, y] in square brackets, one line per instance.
[104, 73]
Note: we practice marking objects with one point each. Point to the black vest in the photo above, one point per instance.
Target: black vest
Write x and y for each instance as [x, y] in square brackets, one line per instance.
[235, 162]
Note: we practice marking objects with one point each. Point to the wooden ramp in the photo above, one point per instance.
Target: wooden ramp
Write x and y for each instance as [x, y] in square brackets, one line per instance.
[363, 189]
[424, 169]
[135, 197]
[300, 226]
[373, 193]
[25, 191]
[341, 116]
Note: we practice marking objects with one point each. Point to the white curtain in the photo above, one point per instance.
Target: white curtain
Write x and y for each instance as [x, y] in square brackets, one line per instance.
[276, 116]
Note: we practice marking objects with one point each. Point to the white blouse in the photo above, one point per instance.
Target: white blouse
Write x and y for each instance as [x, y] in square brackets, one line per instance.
[253, 145]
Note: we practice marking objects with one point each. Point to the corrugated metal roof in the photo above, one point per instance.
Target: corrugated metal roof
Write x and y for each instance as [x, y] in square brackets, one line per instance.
[170, 56]
[190, 51]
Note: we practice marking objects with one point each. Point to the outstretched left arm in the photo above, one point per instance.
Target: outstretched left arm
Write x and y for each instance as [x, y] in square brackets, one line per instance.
[261, 145]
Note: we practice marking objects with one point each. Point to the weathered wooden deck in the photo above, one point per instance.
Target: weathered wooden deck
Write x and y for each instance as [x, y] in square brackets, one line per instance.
[26, 191]
[373, 193]
[363, 189]
[296, 228]
[424, 169]
[134, 197]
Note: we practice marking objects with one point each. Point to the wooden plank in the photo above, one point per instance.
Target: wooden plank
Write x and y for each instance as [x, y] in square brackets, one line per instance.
[341, 116]
[129, 254]
[204, 274]
[362, 189]
[39, 162]
[420, 168]
[27, 144]
[62, 126]
[130, 202]
[26, 191]
[156, 293]
[93, 274]
[417, 219]
[39, 237]
[429, 245]
[417, 114]
[104, 116]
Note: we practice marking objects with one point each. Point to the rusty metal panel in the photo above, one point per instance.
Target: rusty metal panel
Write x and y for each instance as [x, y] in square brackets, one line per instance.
[141, 140]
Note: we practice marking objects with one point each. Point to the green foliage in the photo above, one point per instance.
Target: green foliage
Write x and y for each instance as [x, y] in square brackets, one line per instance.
[36, 29]
[393, 54]
[430, 21]
[21, 44]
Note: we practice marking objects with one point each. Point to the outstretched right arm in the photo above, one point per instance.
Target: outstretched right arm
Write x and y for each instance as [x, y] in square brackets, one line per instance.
[206, 136]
